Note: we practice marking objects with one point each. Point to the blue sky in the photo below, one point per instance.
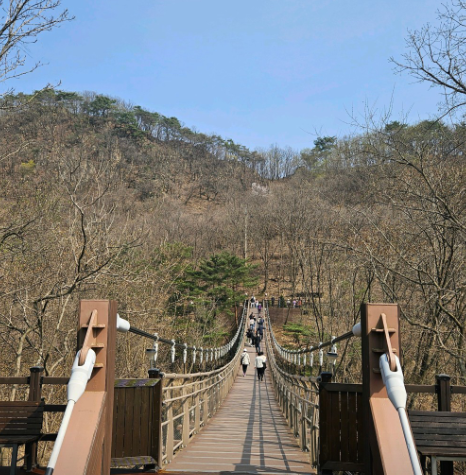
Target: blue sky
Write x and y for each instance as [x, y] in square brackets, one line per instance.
[260, 72]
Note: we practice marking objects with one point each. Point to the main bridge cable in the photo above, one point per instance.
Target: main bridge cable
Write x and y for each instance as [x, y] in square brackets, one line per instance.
[215, 353]
[288, 354]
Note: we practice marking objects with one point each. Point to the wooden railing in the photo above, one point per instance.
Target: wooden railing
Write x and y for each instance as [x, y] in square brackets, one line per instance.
[32, 386]
[297, 398]
[342, 429]
[189, 400]
[341, 406]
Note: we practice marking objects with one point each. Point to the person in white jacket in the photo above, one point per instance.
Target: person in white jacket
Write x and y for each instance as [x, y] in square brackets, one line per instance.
[260, 365]
[245, 361]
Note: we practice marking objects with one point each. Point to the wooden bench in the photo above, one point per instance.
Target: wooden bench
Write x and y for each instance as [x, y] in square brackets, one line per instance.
[439, 435]
[20, 423]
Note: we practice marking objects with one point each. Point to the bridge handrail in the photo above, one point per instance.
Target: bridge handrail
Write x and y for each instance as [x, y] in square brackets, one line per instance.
[295, 355]
[186, 413]
[198, 375]
[296, 402]
[214, 352]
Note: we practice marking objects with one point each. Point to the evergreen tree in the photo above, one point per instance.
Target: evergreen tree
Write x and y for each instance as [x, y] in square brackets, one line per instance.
[220, 281]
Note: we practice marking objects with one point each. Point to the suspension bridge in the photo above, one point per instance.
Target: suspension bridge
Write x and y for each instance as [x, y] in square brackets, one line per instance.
[222, 422]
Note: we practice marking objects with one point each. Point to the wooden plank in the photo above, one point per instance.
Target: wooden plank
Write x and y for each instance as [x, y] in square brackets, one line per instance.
[48, 437]
[55, 408]
[17, 439]
[55, 380]
[342, 387]
[344, 427]
[420, 388]
[129, 418]
[119, 423]
[339, 466]
[361, 428]
[15, 428]
[352, 429]
[146, 422]
[18, 405]
[14, 380]
[136, 424]
[335, 422]
[452, 431]
[458, 389]
[447, 451]
[458, 444]
[324, 424]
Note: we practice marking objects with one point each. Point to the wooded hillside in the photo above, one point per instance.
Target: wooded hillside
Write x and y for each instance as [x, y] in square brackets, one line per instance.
[101, 199]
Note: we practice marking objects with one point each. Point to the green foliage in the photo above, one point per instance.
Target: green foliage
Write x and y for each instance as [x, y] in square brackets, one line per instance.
[220, 280]
[316, 158]
[324, 144]
[395, 126]
[27, 167]
[298, 328]
[101, 106]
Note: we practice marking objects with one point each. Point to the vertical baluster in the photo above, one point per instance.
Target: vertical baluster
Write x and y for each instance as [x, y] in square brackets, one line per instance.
[197, 410]
[186, 414]
[170, 429]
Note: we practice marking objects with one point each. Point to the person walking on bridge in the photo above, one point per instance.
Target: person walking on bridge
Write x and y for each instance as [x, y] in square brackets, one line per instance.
[260, 365]
[256, 339]
[245, 361]
[260, 327]
[252, 322]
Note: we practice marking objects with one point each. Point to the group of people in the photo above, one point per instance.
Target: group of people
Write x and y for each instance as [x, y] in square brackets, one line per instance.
[256, 304]
[255, 336]
[260, 363]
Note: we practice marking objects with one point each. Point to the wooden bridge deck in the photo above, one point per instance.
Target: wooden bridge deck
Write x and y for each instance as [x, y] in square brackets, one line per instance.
[247, 435]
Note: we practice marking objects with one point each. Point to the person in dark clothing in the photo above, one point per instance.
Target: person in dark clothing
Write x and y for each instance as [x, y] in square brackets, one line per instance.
[249, 335]
[260, 327]
[260, 332]
[257, 342]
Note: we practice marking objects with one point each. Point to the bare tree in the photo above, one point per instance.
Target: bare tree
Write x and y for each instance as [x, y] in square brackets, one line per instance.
[437, 55]
[22, 21]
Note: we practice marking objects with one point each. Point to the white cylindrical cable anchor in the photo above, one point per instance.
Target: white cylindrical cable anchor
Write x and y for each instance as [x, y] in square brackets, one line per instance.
[394, 382]
[185, 353]
[173, 351]
[201, 354]
[122, 325]
[357, 331]
[80, 375]
[194, 355]
[153, 352]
